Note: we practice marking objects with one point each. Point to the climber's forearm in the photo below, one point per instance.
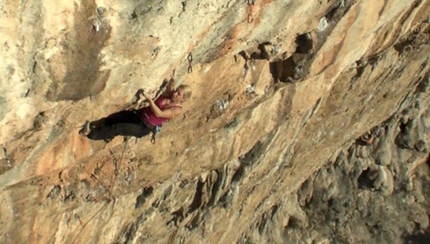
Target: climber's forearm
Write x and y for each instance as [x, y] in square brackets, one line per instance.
[155, 109]
[172, 85]
[166, 113]
[138, 104]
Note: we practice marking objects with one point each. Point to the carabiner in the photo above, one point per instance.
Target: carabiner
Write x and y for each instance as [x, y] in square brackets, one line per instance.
[250, 18]
[173, 73]
[190, 62]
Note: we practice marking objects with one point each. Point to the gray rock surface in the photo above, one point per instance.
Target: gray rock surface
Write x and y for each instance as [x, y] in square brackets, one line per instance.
[308, 122]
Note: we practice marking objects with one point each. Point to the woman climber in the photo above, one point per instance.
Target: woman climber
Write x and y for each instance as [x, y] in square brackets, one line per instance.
[140, 122]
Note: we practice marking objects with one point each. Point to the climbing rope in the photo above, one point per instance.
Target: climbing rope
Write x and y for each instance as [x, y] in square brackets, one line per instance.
[92, 217]
[109, 190]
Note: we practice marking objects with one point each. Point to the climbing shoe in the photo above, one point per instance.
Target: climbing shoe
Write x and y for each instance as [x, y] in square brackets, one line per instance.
[85, 129]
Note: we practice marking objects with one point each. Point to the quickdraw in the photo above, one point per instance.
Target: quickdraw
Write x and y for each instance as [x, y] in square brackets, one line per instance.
[367, 139]
[6, 156]
[79, 219]
[250, 18]
[173, 74]
[190, 62]
[155, 131]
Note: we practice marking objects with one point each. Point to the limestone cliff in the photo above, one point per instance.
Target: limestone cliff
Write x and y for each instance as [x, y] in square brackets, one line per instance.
[309, 121]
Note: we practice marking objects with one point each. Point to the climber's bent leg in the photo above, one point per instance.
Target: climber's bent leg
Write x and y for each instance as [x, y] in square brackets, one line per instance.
[131, 129]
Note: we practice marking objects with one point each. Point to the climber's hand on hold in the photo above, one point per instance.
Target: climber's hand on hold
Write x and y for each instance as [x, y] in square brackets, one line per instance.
[146, 95]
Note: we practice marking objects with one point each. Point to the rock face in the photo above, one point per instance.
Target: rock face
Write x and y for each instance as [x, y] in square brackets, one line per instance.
[309, 122]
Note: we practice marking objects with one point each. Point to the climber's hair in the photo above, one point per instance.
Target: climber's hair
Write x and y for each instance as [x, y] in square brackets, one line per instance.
[186, 89]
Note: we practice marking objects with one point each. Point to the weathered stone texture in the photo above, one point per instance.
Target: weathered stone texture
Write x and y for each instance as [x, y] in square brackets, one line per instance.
[309, 121]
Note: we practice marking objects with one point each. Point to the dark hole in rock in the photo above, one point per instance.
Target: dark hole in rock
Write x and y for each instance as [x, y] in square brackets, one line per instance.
[39, 120]
[195, 222]
[421, 146]
[331, 13]
[197, 201]
[428, 161]
[424, 85]
[243, 55]
[130, 233]
[178, 216]
[283, 70]
[406, 126]
[418, 237]
[331, 202]
[246, 161]
[404, 139]
[262, 54]
[290, 69]
[70, 197]
[217, 187]
[133, 15]
[54, 192]
[262, 225]
[366, 180]
[101, 11]
[140, 200]
[293, 222]
[304, 43]
[404, 46]
[274, 209]
[338, 10]
[360, 71]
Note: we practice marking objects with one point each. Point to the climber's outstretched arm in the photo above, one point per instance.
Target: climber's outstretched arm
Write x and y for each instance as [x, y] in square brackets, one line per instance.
[170, 87]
